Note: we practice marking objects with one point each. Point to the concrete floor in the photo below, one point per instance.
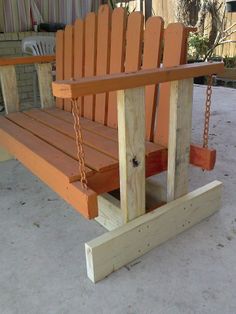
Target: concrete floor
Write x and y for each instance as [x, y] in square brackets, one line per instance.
[42, 262]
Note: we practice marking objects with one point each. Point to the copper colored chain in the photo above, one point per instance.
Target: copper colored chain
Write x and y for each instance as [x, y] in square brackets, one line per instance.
[207, 112]
[79, 141]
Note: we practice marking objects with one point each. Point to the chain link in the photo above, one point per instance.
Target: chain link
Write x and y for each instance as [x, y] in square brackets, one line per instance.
[207, 112]
[79, 141]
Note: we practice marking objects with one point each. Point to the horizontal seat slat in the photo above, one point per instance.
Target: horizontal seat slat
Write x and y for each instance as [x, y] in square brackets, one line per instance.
[199, 157]
[50, 165]
[92, 139]
[94, 159]
[67, 166]
[99, 129]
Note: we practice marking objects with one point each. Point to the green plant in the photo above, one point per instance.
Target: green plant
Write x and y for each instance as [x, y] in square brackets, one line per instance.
[198, 46]
[124, 4]
[230, 62]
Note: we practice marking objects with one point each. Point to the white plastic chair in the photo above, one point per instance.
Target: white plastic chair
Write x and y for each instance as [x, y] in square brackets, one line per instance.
[38, 46]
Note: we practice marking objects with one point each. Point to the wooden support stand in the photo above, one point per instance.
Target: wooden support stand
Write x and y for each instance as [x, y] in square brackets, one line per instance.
[132, 233]
[44, 71]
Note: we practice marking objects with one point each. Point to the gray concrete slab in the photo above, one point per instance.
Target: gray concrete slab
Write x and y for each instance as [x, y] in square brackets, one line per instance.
[42, 262]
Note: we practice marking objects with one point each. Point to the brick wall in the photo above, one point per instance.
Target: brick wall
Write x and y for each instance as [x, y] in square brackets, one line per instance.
[10, 45]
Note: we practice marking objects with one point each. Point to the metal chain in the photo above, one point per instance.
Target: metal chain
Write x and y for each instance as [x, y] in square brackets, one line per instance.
[79, 141]
[207, 112]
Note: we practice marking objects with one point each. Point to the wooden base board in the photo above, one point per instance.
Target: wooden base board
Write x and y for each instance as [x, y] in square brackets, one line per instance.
[4, 155]
[119, 247]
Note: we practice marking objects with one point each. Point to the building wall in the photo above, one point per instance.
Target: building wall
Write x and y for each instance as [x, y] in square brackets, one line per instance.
[10, 46]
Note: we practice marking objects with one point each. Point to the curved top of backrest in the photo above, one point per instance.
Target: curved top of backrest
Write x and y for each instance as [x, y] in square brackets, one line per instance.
[112, 42]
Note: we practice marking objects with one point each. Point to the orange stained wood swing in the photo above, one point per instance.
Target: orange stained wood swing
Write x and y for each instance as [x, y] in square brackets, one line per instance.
[94, 58]
[126, 88]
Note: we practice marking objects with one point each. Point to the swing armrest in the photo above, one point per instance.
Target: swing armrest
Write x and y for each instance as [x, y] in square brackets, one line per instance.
[112, 82]
[26, 60]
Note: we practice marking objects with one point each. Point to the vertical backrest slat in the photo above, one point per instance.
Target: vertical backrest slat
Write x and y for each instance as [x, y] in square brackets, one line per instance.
[90, 60]
[117, 56]
[103, 58]
[134, 38]
[79, 52]
[175, 42]
[60, 63]
[153, 36]
[68, 59]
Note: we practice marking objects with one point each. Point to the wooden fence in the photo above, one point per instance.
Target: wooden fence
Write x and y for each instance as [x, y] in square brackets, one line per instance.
[167, 9]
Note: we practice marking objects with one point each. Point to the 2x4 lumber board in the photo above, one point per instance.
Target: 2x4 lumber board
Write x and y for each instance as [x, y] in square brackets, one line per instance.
[112, 82]
[54, 168]
[109, 212]
[92, 139]
[110, 215]
[119, 247]
[99, 129]
[44, 71]
[4, 155]
[93, 158]
[26, 60]
[9, 88]
[131, 133]
[23, 138]
[180, 129]
[203, 158]
[106, 145]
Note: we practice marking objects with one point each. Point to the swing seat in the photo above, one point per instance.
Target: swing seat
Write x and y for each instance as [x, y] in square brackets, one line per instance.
[44, 139]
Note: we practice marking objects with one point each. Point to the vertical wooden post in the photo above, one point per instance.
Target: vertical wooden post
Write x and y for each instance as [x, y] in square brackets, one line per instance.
[9, 88]
[131, 130]
[44, 71]
[180, 127]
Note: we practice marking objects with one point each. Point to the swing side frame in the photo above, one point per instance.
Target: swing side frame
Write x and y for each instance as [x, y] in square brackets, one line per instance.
[132, 232]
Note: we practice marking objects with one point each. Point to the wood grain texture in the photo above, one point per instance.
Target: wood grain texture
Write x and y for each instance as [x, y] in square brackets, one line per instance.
[87, 86]
[9, 88]
[119, 247]
[131, 130]
[134, 38]
[117, 57]
[44, 71]
[90, 61]
[68, 59]
[153, 36]
[93, 158]
[26, 60]
[103, 59]
[200, 157]
[79, 42]
[60, 63]
[180, 130]
[109, 212]
[174, 54]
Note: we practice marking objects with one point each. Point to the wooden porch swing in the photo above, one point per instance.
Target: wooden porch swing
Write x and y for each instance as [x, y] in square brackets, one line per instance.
[122, 137]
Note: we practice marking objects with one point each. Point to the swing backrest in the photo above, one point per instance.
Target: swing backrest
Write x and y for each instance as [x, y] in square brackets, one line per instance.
[110, 42]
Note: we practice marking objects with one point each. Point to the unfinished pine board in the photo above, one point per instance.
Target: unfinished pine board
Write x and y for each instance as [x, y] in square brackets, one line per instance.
[4, 155]
[117, 248]
[60, 63]
[180, 129]
[44, 71]
[131, 133]
[109, 212]
[9, 88]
